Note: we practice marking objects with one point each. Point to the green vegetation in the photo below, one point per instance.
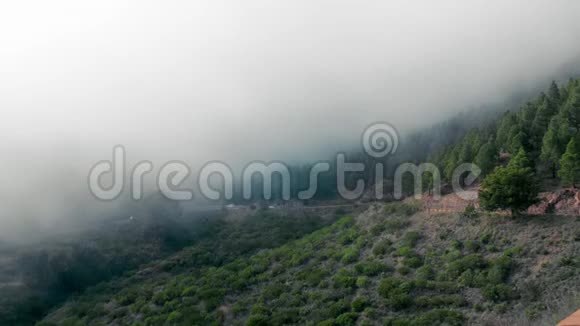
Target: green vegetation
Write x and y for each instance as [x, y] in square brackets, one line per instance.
[57, 272]
[308, 281]
[513, 187]
[570, 163]
[396, 267]
[544, 129]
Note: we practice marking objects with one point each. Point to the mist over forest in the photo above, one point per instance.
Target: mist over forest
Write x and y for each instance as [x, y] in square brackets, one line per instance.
[208, 81]
[295, 82]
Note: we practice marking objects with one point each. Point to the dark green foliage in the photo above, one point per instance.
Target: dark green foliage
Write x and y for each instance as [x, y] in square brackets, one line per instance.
[457, 267]
[572, 110]
[454, 300]
[370, 268]
[433, 318]
[258, 320]
[413, 262]
[344, 279]
[513, 187]
[497, 292]
[382, 247]
[402, 208]
[359, 304]
[339, 307]
[410, 239]
[269, 288]
[403, 270]
[440, 317]
[554, 94]
[472, 245]
[554, 142]
[362, 282]
[346, 319]
[542, 127]
[396, 292]
[570, 163]
[487, 157]
[350, 255]
[425, 272]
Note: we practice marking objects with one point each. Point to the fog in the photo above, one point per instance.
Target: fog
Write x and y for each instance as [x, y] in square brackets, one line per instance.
[244, 80]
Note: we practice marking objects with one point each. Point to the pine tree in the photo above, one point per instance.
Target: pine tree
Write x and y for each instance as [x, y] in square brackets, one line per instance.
[520, 161]
[551, 152]
[487, 157]
[528, 112]
[572, 110]
[542, 120]
[518, 141]
[503, 131]
[513, 187]
[570, 163]
[554, 94]
[554, 142]
[450, 163]
[469, 147]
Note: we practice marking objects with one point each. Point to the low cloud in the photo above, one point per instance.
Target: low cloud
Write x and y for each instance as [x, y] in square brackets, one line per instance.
[241, 81]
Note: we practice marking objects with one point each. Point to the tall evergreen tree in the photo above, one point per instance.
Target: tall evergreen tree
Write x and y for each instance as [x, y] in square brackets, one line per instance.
[520, 161]
[554, 94]
[450, 163]
[506, 124]
[513, 187]
[572, 110]
[518, 141]
[570, 163]
[542, 120]
[554, 142]
[487, 157]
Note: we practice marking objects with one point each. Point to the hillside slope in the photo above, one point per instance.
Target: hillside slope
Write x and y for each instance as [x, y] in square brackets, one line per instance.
[391, 265]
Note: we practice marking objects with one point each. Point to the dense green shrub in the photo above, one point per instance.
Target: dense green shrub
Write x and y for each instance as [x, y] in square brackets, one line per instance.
[362, 282]
[348, 236]
[425, 272]
[346, 319]
[377, 229]
[396, 292]
[403, 208]
[472, 246]
[497, 292]
[439, 317]
[382, 247]
[458, 266]
[430, 301]
[403, 270]
[344, 279]
[370, 268]
[339, 307]
[258, 320]
[412, 262]
[174, 317]
[350, 255]
[359, 304]
[410, 239]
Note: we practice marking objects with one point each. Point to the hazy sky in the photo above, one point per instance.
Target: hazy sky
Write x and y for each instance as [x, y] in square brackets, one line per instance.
[245, 80]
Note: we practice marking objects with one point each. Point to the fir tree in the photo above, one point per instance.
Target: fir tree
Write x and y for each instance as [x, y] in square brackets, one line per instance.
[554, 94]
[570, 163]
[513, 187]
[487, 157]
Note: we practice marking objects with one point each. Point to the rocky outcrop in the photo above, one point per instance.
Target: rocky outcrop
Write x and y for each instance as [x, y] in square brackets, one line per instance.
[562, 202]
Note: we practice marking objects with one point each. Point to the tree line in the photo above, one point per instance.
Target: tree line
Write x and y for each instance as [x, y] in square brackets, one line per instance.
[540, 140]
